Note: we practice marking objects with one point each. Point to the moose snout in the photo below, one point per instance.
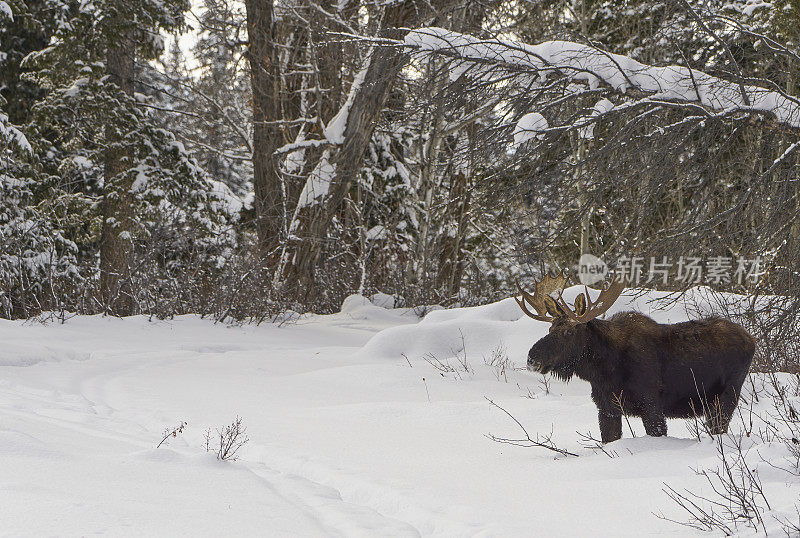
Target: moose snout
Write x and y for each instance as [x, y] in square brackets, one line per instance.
[533, 363]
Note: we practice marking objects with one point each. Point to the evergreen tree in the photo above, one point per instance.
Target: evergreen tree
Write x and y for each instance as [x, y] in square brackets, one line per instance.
[207, 105]
[127, 189]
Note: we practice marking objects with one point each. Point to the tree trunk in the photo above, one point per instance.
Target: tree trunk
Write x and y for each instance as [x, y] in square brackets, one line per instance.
[448, 278]
[264, 81]
[583, 197]
[116, 242]
[428, 158]
[469, 19]
[340, 164]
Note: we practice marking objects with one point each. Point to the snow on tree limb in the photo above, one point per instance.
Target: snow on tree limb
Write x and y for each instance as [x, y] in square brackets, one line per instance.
[5, 11]
[10, 135]
[318, 183]
[529, 126]
[316, 187]
[334, 131]
[583, 63]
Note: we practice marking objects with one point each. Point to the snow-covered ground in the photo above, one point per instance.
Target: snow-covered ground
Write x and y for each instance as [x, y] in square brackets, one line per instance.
[353, 432]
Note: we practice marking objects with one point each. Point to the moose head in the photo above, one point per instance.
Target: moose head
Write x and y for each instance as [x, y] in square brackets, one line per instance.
[563, 348]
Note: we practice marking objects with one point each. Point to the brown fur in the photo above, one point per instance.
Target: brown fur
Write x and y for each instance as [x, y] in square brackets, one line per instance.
[642, 368]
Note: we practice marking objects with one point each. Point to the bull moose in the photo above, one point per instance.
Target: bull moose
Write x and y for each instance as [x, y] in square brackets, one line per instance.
[637, 366]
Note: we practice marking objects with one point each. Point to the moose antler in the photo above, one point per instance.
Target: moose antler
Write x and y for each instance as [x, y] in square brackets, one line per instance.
[548, 307]
[542, 291]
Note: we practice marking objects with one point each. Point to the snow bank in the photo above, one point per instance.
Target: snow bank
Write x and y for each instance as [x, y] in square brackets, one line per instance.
[354, 430]
[14, 354]
[502, 324]
[358, 307]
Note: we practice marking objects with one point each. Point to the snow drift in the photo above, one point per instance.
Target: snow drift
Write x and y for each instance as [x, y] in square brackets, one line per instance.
[354, 431]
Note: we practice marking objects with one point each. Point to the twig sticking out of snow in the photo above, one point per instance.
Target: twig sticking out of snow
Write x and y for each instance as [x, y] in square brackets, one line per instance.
[172, 432]
[527, 441]
[230, 439]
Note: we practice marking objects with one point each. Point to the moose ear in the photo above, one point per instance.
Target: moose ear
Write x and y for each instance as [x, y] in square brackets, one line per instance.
[553, 309]
[580, 304]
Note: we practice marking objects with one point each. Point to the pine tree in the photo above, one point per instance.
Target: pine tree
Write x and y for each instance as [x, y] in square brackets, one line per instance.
[128, 190]
[208, 105]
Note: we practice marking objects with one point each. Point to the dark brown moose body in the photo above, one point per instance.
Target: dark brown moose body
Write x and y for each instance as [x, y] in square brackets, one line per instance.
[642, 368]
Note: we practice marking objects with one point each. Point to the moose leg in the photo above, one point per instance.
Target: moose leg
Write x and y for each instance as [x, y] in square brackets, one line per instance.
[610, 426]
[655, 424]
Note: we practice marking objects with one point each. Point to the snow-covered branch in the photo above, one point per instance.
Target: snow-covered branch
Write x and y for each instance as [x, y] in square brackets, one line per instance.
[593, 67]
[11, 136]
